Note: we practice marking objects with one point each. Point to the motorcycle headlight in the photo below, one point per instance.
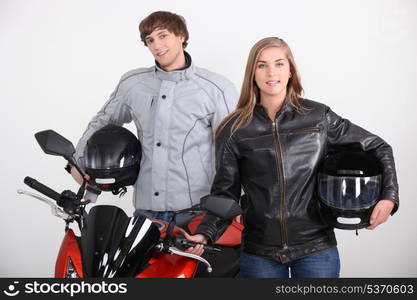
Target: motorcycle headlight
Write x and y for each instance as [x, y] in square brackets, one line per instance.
[71, 272]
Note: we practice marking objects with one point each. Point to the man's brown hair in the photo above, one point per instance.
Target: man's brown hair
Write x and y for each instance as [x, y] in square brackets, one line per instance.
[164, 20]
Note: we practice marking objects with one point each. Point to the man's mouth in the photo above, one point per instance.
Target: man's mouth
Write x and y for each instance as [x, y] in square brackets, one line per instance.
[161, 53]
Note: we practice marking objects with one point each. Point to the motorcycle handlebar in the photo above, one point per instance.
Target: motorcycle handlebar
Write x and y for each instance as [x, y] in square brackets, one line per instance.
[184, 244]
[36, 185]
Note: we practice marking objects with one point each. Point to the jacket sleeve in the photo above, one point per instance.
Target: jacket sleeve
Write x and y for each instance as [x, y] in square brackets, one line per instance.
[115, 111]
[226, 183]
[225, 105]
[342, 133]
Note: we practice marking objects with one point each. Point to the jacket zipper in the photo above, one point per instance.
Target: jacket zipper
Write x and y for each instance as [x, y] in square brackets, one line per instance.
[280, 166]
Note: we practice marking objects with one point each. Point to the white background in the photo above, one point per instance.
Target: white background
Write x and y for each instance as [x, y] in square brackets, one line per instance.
[60, 60]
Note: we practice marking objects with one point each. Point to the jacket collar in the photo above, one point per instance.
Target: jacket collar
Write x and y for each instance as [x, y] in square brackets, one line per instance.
[184, 73]
[260, 111]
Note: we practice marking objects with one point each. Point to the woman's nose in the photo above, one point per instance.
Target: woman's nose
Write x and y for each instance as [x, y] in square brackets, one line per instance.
[271, 72]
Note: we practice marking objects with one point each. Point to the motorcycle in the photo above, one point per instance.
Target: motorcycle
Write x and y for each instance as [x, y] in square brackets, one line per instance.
[111, 244]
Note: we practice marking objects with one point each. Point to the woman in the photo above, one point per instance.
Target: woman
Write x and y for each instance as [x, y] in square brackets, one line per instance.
[271, 146]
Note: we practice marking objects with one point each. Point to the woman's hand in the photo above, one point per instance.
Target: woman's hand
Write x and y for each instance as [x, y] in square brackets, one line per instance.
[198, 238]
[380, 213]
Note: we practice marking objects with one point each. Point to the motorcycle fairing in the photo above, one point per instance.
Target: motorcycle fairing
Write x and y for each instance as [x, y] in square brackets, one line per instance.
[114, 245]
[164, 265]
[69, 250]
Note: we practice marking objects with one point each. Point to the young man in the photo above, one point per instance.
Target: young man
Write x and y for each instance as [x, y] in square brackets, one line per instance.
[175, 107]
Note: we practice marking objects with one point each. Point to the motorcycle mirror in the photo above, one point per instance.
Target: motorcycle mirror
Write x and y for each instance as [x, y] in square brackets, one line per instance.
[55, 144]
[223, 207]
[173, 222]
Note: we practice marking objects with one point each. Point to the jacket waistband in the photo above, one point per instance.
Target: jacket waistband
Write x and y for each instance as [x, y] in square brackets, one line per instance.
[290, 253]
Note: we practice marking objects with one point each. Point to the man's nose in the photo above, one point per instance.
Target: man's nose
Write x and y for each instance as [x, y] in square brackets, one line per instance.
[157, 44]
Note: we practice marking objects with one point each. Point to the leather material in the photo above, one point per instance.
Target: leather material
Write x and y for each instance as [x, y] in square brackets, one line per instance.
[232, 236]
[276, 163]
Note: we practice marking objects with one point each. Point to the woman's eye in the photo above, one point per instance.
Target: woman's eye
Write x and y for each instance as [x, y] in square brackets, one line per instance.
[261, 66]
[279, 64]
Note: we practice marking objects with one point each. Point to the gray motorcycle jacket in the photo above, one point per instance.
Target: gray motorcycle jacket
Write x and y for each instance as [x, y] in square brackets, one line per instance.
[276, 162]
[175, 114]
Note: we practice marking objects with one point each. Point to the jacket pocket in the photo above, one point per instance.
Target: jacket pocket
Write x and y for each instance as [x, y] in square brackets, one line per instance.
[303, 130]
[195, 170]
[302, 151]
[144, 109]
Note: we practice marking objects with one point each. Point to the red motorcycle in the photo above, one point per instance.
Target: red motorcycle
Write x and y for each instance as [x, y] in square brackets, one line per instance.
[111, 244]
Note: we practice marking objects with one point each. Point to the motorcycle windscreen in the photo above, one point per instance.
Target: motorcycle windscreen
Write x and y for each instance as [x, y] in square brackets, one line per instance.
[115, 245]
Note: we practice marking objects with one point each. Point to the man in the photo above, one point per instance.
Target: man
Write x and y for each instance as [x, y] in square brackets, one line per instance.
[175, 107]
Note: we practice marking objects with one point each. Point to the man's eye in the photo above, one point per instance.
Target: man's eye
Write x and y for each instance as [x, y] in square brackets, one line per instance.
[149, 42]
[162, 36]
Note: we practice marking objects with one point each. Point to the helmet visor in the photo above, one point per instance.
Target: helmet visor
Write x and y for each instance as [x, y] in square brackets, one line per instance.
[107, 158]
[349, 192]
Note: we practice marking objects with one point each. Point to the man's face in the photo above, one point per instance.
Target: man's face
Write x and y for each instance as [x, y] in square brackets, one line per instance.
[166, 48]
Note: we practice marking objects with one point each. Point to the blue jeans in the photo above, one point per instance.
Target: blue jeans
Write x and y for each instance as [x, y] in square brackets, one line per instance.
[160, 215]
[321, 264]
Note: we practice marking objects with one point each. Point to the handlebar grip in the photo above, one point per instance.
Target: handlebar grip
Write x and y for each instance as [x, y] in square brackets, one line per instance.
[187, 244]
[36, 185]
[209, 248]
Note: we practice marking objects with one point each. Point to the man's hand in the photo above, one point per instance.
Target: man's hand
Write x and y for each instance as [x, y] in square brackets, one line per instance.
[380, 213]
[77, 176]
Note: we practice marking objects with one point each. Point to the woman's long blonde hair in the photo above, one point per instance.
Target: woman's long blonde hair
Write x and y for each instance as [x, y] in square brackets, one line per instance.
[250, 94]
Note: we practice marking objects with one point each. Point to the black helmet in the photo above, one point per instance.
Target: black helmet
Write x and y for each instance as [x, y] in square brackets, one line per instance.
[349, 185]
[112, 158]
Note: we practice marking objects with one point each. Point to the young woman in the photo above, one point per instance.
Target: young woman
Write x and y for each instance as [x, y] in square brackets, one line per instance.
[271, 146]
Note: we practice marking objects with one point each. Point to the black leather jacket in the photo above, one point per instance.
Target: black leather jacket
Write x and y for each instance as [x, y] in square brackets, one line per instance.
[276, 164]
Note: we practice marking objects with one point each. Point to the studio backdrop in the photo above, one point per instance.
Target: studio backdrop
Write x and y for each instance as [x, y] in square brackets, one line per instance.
[60, 61]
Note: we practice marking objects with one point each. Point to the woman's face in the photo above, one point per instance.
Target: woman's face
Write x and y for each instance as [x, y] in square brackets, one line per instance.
[272, 72]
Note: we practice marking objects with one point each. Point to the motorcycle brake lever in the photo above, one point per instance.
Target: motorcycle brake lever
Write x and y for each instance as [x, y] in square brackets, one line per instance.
[56, 210]
[174, 250]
